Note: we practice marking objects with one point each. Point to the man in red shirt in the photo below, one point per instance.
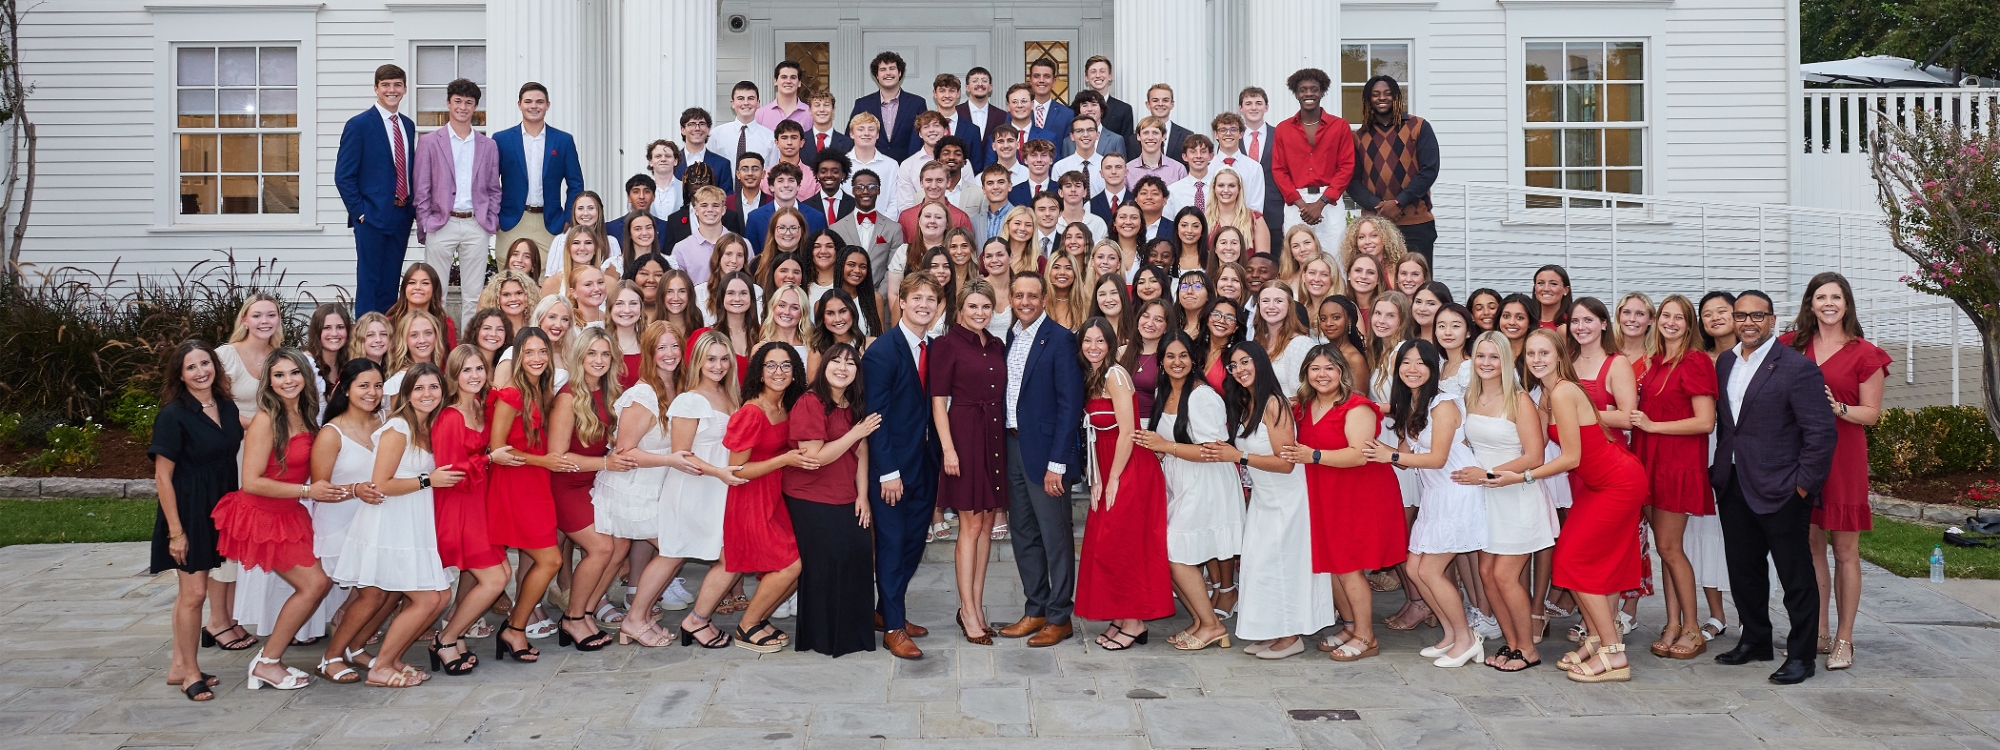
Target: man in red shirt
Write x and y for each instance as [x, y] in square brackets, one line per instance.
[1312, 159]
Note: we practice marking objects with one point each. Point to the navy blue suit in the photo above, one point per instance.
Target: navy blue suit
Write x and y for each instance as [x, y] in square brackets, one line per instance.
[364, 171]
[559, 166]
[1048, 414]
[1023, 195]
[974, 137]
[758, 223]
[907, 444]
[899, 138]
[725, 175]
[1055, 126]
[1100, 204]
[835, 140]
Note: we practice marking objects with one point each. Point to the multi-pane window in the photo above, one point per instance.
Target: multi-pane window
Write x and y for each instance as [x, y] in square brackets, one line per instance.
[1586, 119]
[1360, 61]
[236, 116]
[812, 58]
[1057, 52]
[437, 66]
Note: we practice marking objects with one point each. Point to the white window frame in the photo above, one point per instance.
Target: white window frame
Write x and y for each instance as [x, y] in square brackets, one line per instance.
[177, 26]
[1643, 126]
[485, 93]
[1409, 83]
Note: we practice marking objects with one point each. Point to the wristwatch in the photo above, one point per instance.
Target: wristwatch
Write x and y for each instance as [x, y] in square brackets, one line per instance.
[1528, 476]
[1315, 456]
[1396, 457]
[423, 481]
[1243, 460]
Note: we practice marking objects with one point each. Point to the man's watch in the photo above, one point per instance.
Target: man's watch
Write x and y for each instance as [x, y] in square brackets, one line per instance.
[423, 481]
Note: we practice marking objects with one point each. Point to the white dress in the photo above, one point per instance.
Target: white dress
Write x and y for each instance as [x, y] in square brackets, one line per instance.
[690, 515]
[354, 463]
[1519, 518]
[1204, 500]
[1453, 518]
[1556, 487]
[1406, 479]
[1702, 541]
[1287, 365]
[1455, 385]
[1281, 596]
[628, 502]
[392, 545]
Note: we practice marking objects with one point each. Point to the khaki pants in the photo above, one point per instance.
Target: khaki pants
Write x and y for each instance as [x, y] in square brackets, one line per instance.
[531, 227]
[460, 240]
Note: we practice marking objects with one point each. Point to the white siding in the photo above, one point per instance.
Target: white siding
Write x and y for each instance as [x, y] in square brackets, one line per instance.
[1726, 76]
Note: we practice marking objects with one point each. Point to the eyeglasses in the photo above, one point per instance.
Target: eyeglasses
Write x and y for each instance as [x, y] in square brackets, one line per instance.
[1754, 317]
[1196, 285]
[777, 367]
[1222, 316]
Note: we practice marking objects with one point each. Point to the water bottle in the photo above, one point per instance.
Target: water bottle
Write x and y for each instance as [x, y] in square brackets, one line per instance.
[1937, 564]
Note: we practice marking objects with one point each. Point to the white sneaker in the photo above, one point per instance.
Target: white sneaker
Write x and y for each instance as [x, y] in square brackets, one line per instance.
[1483, 623]
[676, 597]
[788, 609]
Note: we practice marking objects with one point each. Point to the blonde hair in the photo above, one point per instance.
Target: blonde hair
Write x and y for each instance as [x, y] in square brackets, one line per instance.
[1236, 215]
[596, 256]
[399, 357]
[1510, 387]
[1565, 369]
[1289, 266]
[804, 327]
[490, 296]
[1618, 330]
[242, 332]
[590, 393]
[355, 348]
[1393, 246]
[542, 309]
[1305, 296]
[691, 364]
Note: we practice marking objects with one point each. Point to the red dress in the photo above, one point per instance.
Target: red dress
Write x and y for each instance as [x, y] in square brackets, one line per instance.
[1356, 512]
[571, 489]
[630, 374]
[742, 362]
[520, 512]
[273, 533]
[462, 542]
[1676, 465]
[1843, 504]
[1123, 571]
[756, 528]
[1599, 551]
[1216, 375]
[1601, 398]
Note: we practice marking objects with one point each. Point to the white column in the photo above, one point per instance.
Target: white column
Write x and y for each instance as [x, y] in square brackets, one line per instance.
[533, 40]
[1278, 37]
[598, 90]
[1164, 41]
[668, 65]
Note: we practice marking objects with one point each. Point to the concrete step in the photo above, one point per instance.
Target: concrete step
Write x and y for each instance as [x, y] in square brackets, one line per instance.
[944, 551]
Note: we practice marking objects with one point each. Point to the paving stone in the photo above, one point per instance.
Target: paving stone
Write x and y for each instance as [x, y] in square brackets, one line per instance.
[1496, 706]
[942, 719]
[997, 705]
[64, 742]
[1442, 729]
[1361, 698]
[1336, 735]
[922, 691]
[706, 738]
[1065, 718]
[20, 722]
[793, 716]
[536, 730]
[831, 681]
[1120, 743]
[1216, 724]
[255, 741]
[861, 720]
[1709, 732]
[672, 704]
[1874, 712]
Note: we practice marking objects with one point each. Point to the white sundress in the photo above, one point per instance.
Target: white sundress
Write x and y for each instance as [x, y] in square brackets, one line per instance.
[690, 507]
[392, 545]
[1204, 500]
[1280, 595]
[1519, 518]
[1702, 541]
[355, 463]
[1406, 479]
[628, 502]
[1453, 518]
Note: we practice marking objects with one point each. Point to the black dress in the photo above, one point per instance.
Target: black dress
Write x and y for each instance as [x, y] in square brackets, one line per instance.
[204, 456]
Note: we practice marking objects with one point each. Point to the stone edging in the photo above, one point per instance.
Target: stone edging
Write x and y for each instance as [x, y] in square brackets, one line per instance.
[54, 488]
[1883, 505]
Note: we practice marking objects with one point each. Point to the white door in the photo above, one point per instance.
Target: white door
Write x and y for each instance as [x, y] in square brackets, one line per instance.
[931, 53]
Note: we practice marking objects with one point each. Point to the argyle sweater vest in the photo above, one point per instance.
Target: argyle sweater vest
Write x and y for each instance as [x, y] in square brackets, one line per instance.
[1388, 161]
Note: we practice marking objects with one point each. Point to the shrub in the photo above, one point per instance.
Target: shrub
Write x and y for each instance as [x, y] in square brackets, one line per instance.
[1931, 441]
[135, 412]
[70, 447]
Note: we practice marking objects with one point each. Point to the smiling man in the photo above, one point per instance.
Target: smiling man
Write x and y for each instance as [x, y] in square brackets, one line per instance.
[1312, 158]
[1396, 162]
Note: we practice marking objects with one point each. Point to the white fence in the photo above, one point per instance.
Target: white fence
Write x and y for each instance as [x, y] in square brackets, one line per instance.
[1835, 124]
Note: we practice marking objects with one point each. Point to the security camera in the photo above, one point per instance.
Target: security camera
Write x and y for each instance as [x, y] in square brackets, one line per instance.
[738, 23]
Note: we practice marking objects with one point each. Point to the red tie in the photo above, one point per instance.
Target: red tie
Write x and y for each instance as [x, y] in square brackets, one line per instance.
[822, 141]
[1253, 144]
[1114, 201]
[924, 363]
[831, 203]
[402, 162]
[864, 216]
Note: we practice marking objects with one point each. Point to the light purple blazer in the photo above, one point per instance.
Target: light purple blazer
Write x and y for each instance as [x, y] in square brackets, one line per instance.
[437, 184]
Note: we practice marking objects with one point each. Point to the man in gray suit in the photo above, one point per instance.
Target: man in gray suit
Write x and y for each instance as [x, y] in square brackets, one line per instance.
[995, 183]
[864, 226]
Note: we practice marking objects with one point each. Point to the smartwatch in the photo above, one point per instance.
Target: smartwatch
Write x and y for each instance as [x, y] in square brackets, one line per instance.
[1396, 457]
[423, 481]
[1315, 456]
[1528, 476]
[1243, 460]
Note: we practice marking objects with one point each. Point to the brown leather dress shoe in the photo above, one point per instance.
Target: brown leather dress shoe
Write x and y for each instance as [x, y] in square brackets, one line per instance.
[915, 630]
[1051, 635]
[1022, 628]
[898, 643]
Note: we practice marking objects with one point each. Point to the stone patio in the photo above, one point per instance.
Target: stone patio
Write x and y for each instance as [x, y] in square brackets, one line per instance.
[83, 654]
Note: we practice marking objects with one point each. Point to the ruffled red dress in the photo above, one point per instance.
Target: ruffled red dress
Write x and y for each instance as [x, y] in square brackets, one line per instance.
[1123, 571]
[1843, 504]
[1356, 512]
[1676, 465]
[463, 541]
[520, 511]
[1599, 550]
[571, 490]
[756, 527]
[272, 533]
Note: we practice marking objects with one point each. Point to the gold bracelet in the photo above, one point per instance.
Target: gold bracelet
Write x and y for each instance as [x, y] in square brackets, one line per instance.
[182, 535]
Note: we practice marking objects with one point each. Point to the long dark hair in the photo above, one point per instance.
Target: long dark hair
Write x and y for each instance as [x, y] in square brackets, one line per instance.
[1472, 300]
[174, 390]
[863, 294]
[753, 377]
[406, 407]
[1093, 375]
[825, 338]
[326, 369]
[752, 325]
[1164, 277]
[1130, 359]
[1707, 341]
[268, 400]
[1165, 390]
[854, 392]
[435, 307]
[1563, 306]
[1471, 327]
[1806, 327]
[337, 403]
[1412, 409]
[1204, 256]
[1206, 342]
[537, 393]
[1245, 406]
[1353, 311]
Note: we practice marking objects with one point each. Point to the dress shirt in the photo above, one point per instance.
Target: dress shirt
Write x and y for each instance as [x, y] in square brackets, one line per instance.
[864, 226]
[1017, 367]
[1169, 171]
[906, 188]
[892, 104]
[771, 114]
[1745, 370]
[692, 255]
[1094, 169]
[1247, 168]
[981, 113]
[1180, 193]
[533, 148]
[1326, 164]
[759, 139]
[915, 339]
[828, 205]
[667, 199]
[1046, 243]
[996, 219]
[461, 169]
[885, 171]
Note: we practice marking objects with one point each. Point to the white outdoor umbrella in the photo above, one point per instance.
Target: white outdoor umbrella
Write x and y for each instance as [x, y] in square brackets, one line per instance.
[1876, 70]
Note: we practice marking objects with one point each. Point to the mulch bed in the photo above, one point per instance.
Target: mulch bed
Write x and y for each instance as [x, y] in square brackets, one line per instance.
[1949, 489]
[119, 456]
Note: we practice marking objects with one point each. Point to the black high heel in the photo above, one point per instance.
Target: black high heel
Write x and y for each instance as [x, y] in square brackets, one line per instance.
[460, 666]
[688, 638]
[592, 642]
[501, 650]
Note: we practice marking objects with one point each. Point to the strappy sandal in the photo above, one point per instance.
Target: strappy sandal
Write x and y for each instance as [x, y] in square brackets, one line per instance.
[1430, 618]
[1001, 533]
[1584, 672]
[688, 637]
[1578, 632]
[770, 642]
[1382, 582]
[649, 635]
[1842, 656]
[1339, 638]
[502, 649]
[212, 680]
[408, 676]
[1713, 629]
[1544, 632]
[595, 641]
[460, 666]
[614, 616]
[293, 680]
[733, 605]
[1514, 654]
[1355, 650]
[1220, 613]
[937, 532]
[479, 629]
[1825, 645]
[1110, 642]
[1549, 608]
[1185, 642]
[541, 629]
[345, 675]
[214, 640]
[1680, 651]
[1584, 651]
[1663, 646]
[199, 691]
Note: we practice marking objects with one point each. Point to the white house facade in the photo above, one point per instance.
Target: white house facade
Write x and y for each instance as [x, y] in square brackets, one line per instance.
[174, 130]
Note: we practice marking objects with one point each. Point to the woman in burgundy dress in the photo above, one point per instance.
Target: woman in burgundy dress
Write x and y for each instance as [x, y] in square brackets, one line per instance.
[520, 510]
[1141, 358]
[1828, 332]
[580, 426]
[1670, 436]
[1597, 555]
[756, 528]
[458, 440]
[1122, 575]
[968, 389]
[263, 525]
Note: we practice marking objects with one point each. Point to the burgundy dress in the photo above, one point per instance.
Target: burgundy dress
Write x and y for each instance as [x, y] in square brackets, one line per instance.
[1122, 571]
[974, 376]
[463, 541]
[756, 528]
[571, 489]
[630, 375]
[1843, 502]
[272, 533]
[1599, 550]
[1356, 512]
[520, 511]
[1676, 465]
[1145, 382]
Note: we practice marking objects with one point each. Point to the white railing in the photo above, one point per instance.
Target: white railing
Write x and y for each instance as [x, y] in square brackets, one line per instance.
[1832, 158]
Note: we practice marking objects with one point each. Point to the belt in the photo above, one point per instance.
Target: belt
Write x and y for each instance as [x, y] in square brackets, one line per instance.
[1013, 432]
[461, 214]
[534, 209]
[401, 202]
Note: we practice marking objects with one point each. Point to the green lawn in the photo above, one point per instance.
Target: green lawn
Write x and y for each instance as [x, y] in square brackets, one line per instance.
[55, 521]
[1905, 549]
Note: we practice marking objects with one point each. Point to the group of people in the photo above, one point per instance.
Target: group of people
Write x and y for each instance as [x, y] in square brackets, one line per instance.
[771, 376]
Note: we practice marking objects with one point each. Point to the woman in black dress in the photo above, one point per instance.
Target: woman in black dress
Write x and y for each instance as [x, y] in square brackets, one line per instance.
[195, 438]
[829, 508]
[968, 388]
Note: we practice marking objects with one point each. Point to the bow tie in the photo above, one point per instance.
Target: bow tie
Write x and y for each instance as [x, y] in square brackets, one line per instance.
[867, 216]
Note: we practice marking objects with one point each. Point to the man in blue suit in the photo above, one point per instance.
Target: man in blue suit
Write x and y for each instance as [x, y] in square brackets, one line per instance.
[537, 163]
[1774, 439]
[1044, 407]
[903, 457]
[375, 172]
[695, 124]
[945, 91]
[896, 108]
[1050, 114]
[785, 180]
